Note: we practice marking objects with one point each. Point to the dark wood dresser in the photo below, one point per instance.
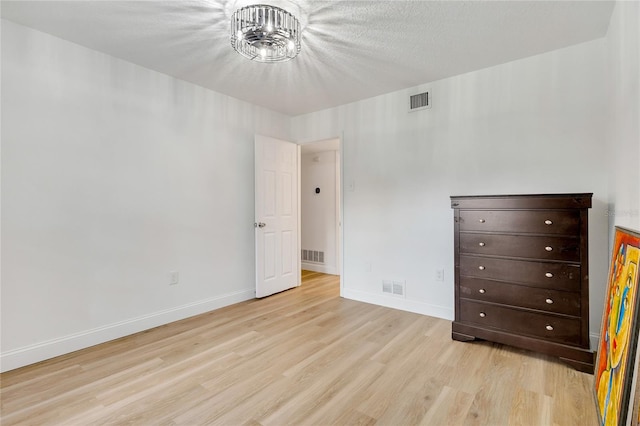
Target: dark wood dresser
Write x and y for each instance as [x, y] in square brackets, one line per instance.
[522, 273]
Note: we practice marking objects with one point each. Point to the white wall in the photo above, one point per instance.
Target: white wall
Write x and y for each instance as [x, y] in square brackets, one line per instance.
[319, 211]
[112, 176]
[623, 132]
[531, 126]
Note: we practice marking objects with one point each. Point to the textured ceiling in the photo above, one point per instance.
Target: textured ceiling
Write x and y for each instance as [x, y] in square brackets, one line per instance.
[351, 50]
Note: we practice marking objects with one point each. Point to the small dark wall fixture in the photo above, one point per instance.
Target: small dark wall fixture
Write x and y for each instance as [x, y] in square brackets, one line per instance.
[317, 190]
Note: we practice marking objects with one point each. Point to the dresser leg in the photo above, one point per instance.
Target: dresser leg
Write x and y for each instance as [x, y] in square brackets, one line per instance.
[462, 337]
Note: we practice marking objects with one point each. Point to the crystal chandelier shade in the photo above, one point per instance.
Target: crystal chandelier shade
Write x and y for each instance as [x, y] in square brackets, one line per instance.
[265, 33]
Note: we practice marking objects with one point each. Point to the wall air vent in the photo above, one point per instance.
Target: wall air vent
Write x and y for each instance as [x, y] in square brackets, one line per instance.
[314, 256]
[395, 288]
[419, 102]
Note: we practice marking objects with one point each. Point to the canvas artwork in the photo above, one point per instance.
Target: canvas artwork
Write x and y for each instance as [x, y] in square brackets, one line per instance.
[633, 418]
[616, 357]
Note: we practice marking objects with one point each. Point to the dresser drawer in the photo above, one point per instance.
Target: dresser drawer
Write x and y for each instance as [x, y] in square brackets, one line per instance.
[535, 247]
[559, 222]
[560, 302]
[558, 276]
[549, 327]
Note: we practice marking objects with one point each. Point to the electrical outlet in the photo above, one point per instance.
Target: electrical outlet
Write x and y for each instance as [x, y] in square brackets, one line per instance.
[439, 274]
[174, 278]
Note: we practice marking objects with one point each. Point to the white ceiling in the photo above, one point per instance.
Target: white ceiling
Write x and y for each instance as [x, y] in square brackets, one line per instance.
[351, 50]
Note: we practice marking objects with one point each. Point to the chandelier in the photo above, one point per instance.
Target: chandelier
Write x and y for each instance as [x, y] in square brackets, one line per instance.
[265, 33]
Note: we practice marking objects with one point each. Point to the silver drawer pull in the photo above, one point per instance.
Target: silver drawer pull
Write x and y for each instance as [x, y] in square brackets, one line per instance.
[548, 275]
[481, 244]
[549, 327]
[482, 291]
[481, 220]
[548, 248]
[481, 268]
[482, 315]
[549, 301]
[548, 222]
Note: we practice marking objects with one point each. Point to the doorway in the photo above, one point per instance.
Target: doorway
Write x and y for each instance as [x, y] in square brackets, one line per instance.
[321, 207]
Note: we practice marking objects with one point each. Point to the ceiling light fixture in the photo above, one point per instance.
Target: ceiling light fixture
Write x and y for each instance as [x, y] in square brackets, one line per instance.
[265, 33]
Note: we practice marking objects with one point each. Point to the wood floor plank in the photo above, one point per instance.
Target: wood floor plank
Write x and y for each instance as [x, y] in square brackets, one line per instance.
[450, 408]
[316, 385]
[301, 357]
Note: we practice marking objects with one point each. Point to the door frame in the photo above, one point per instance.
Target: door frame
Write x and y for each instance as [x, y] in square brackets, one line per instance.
[341, 213]
[339, 204]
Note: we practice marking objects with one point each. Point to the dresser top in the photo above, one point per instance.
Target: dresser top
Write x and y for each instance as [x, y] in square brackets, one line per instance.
[523, 201]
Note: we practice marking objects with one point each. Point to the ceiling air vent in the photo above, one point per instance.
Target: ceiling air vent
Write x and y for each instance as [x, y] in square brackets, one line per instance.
[419, 102]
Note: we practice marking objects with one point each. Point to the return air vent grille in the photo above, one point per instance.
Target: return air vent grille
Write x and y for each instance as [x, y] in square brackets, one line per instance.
[393, 287]
[314, 256]
[419, 102]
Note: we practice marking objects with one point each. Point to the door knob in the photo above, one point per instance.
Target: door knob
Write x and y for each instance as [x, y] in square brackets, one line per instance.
[259, 225]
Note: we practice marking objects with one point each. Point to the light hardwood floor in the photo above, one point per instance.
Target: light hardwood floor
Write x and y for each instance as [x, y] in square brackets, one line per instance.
[301, 357]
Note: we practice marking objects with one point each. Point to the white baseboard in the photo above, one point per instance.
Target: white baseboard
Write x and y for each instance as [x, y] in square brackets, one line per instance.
[594, 339]
[45, 350]
[399, 303]
[320, 268]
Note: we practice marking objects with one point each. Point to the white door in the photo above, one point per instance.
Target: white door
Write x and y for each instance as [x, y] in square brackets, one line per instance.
[276, 226]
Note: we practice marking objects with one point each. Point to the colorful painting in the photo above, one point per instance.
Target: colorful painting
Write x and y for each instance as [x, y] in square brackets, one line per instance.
[619, 333]
[634, 409]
